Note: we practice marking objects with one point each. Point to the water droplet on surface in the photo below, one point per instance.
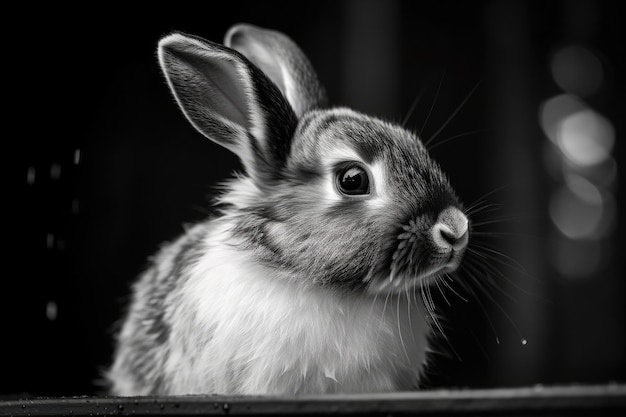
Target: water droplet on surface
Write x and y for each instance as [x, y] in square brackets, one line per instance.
[524, 341]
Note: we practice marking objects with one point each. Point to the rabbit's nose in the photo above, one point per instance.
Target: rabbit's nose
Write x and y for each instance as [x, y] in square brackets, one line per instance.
[450, 232]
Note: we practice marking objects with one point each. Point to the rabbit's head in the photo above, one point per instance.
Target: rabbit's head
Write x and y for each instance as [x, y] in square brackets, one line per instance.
[330, 196]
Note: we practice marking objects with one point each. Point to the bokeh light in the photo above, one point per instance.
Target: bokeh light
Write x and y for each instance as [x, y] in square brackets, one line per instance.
[577, 70]
[579, 158]
[575, 217]
[580, 210]
[586, 137]
[554, 110]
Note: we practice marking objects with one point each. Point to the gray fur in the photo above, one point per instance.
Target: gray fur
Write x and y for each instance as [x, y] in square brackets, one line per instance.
[285, 217]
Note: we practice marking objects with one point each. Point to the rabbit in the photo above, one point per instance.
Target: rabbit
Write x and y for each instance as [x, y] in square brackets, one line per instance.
[306, 279]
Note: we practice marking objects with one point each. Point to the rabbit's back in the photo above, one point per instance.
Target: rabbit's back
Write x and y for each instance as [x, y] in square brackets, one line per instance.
[144, 338]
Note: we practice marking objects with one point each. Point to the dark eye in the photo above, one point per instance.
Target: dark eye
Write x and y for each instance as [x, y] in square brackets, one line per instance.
[353, 180]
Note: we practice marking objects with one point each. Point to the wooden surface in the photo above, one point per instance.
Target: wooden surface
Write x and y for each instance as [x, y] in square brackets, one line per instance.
[601, 400]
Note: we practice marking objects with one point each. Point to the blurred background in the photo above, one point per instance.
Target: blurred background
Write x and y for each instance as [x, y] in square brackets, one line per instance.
[523, 101]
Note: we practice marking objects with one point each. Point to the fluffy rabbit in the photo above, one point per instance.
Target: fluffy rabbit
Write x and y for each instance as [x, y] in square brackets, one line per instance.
[307, 279]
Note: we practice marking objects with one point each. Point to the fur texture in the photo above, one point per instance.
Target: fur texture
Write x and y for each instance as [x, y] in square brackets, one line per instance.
[306, 281]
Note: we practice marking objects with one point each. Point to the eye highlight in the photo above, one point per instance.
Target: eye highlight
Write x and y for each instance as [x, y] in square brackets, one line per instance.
[352, 179]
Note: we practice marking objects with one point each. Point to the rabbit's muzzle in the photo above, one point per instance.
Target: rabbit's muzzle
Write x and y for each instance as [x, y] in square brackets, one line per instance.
[424, 249]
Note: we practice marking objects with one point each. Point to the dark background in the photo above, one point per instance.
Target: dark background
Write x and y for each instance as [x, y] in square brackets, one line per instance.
[103, 168]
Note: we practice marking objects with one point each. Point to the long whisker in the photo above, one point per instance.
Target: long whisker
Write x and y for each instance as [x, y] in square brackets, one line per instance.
[461, 135]
[437, 278]
[452, 289]
[432, 106]
[501, 257]
[454, 113]
[382, 315]
[503, 235]
[497, 273]
[430, 309]
[497, 220]
[480, 345]
[400, 329]
[475, 297]
[372, 305]
[413, 105]
[407, 290]
[476, 209]
[497, 304]
[488, 194]
[476, 268]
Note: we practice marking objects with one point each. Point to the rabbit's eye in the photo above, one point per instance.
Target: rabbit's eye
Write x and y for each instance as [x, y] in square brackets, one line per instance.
[353, 180]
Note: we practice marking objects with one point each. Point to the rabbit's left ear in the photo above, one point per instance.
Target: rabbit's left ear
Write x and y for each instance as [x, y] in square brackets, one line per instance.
[230, 101]
[283, 62]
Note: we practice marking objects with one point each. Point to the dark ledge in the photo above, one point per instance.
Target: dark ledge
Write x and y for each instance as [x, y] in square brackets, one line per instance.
[596, 400]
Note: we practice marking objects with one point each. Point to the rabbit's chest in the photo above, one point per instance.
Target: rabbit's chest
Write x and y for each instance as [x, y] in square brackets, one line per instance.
[253, 331]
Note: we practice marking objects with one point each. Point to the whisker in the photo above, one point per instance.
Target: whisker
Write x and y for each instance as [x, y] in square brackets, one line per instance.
[431, 303]
[497, 273]
[461, 135]
[382, 315]
[500, 257]
[437, 278]
[413, 105]
[503, 235]
[372, 305]
[400, 329]
[454, 113]
[477, 209]
[408, 290]
[503, 219]
[475, 267]
[488, 194]
[497, 304]
[435, 320]
[452, 288]
[432, 106]
[475, 297]
[479, 344]
[488, 258]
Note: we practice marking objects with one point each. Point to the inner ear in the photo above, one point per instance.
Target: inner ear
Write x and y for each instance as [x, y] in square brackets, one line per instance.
[222, 77]
[283, 62]
[261, 58]
[232, 101]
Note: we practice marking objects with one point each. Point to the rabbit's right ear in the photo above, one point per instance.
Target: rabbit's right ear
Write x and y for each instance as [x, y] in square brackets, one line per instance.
[282, 61]
[230, 101]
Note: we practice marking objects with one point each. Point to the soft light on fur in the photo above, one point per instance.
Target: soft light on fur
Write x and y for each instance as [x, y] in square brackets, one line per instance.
[298, 285]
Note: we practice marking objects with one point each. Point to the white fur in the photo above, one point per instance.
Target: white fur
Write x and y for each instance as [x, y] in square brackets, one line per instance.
[278, 336]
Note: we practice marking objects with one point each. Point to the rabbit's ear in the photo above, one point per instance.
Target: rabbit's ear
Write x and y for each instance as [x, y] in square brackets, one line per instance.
[283, 62]
[229, 100]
